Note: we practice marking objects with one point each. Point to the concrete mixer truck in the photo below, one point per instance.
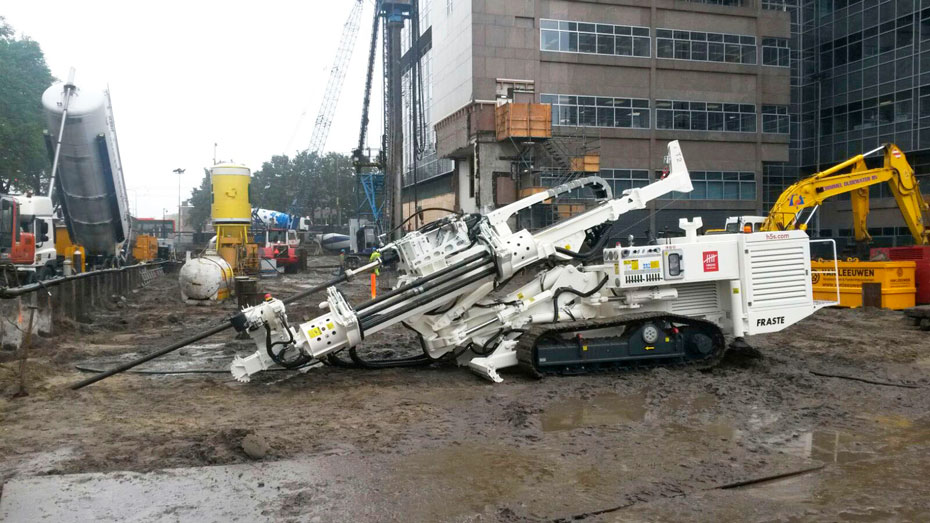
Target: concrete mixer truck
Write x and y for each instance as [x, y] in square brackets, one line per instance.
[276, 236]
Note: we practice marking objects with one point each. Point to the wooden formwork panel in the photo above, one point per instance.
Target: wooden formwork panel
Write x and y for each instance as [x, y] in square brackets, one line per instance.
[520, 120]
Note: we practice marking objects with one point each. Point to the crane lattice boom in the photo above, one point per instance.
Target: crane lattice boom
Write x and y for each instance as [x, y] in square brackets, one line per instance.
[337, 75]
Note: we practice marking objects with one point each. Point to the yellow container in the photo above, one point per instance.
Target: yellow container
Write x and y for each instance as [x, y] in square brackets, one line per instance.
[529, 191]
[518, 120]
[897, 280]
[569, 210]
[230, 194]
[589, 163]
[146, 248]
[66, 249]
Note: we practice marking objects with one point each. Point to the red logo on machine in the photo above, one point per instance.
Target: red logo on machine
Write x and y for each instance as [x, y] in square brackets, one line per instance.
[710, 261]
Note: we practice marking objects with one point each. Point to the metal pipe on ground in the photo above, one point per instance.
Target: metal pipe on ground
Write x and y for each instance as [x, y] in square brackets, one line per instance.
[218, 328]
[13, 292]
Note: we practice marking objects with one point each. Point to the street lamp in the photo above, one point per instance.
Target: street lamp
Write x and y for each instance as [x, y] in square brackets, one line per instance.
[177, 240]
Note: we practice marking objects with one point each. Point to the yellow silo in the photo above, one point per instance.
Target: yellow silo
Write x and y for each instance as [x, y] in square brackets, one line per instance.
[230, 194]
[232, 217]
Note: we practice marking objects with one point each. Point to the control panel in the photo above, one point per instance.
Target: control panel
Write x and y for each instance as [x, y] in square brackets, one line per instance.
[644, 266]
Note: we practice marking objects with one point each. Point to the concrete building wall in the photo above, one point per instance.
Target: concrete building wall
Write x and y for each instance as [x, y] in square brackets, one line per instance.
[452, 57]
[504, 43]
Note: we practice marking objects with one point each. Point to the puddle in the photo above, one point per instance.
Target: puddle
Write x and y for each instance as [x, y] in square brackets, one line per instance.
[828, 446]
[861, 467]
[693, 403]
[721, 430]
[604, 409]
[467, 478]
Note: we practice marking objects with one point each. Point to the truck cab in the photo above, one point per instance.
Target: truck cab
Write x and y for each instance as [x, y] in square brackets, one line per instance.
[36, 217]
[743, 224]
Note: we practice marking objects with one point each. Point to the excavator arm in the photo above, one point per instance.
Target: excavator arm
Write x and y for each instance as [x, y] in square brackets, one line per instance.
[855, 178]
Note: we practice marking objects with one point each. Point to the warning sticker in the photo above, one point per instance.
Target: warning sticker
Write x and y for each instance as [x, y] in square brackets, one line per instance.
[710, 261]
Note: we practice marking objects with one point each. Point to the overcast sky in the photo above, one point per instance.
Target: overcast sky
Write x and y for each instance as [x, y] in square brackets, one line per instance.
[184, 75]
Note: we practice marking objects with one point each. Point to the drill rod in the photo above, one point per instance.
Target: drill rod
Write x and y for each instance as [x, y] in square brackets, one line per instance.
[217, 329]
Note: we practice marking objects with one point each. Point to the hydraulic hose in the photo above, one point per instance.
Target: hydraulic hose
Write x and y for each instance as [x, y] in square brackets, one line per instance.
[277, 357]
[488, 346]
[587, 254]
[569, 290]
[413, 361]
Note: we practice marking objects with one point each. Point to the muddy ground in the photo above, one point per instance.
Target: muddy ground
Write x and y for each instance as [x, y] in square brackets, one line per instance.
[439, 443]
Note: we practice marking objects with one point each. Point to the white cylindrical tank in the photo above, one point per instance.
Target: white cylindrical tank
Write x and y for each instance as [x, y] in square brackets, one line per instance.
[205, 280]
[90, 181]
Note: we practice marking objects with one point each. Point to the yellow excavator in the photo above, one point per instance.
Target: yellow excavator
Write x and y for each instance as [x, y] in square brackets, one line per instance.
[798, 203]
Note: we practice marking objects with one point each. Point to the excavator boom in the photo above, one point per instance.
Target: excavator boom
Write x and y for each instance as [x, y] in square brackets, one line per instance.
[854, 177]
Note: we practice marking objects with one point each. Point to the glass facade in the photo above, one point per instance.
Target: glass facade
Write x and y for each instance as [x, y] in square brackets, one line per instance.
[718, 185]
[705, 116]
[705, 47]
[423, 156]
[860, 77]
[598, 111]
[590, 38]
[623, 179]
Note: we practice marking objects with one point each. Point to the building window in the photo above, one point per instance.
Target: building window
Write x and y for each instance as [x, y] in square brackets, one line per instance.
[705, 47]
[779, 5]
[582, 37]
[705, 116]
[775, 119]
[719, 185]
[623, 179]
[775, 52]
[598, 111]
[730, 3]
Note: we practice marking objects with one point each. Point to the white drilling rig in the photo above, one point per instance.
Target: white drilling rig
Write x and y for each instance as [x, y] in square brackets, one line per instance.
[673, 302]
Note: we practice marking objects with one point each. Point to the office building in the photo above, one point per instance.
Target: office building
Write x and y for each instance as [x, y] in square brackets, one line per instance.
[623, 78]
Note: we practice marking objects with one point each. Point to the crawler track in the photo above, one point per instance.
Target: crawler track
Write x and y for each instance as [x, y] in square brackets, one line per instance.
[627, 327]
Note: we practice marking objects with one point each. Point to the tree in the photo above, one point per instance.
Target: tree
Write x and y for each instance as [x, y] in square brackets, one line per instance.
[24, 76]
[201, 199]
[306, 185]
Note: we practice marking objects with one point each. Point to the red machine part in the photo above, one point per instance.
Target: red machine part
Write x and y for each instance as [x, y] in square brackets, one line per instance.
[920, 255]
[16, 246]
[284, 254]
